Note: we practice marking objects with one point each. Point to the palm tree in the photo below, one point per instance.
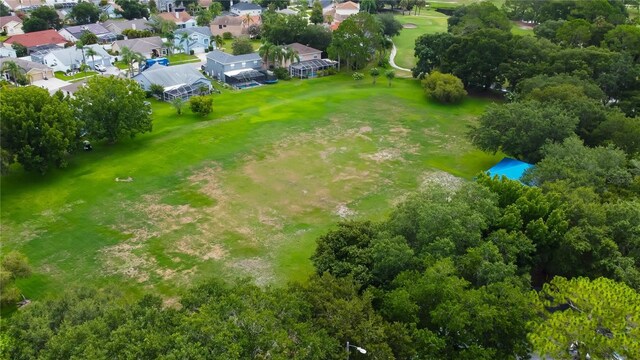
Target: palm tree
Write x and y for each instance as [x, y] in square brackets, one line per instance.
[80, 46]
[277, 55]
[13, 69]
[184, 38]
[291, 56]
[92, 52]
[218, 40]
[248, 19]
[129, 57]
[265, 52]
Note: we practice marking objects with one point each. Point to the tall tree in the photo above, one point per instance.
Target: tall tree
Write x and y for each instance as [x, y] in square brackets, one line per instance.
[356, 40]
[33, 24]
[113, 108]
[390, 25]
[85, 13]
[474, 17]
[132, 9]
[37, 130]
[48, 14]
[11, 68]
[316, 13]
[130, 57]
[241, 45]
[584, 317]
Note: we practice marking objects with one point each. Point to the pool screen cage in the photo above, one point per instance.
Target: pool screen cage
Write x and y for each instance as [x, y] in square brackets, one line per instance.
[245, 77]
[185, 91]
[310, 68]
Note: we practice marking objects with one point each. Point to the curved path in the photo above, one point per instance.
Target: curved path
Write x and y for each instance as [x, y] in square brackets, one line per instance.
[392, 56]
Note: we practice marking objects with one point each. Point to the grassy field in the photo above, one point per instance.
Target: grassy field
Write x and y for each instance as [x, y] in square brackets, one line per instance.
[227, 45]
[428, 22]
[243, 192]
[176, 59]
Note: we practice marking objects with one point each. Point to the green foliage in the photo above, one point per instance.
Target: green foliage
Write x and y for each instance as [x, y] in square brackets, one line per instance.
[390, 75]
[201, 105]
[390, 25]
[316, 36]
[178, 104]
[374, 72]
[522, 129]
[157, 90]
[13, 265]
[132, 9]
[624, 38]
[444, 88]
[20, 49]
[48, 14]
[34, 24]
[283, 29]
[227, 35]
[4, 10]
[575, 32]
[85, 13]
[355, 40]
[316, 13]
[597, 317]
[204, 17]
[282, 73]
[135, 34]
[599, 168]
[357, 76]
[88, 38]
[37, 130]
[430, 50]
[161, 26]
[241, 45]
[474, 17]
[113, 108]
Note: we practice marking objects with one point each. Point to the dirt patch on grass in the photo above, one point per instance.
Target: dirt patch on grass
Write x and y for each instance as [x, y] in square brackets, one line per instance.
[442, 178]
[122, 260]
[207, 179]
[410, 26]
[257, 268]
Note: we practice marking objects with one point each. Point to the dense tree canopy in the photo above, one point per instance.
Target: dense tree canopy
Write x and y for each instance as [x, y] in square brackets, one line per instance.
[85, 13]
[37, 130]
[48, 14]
[356, 39]
[132, 9]
[477, 16]
[445, 88]
[113, 108]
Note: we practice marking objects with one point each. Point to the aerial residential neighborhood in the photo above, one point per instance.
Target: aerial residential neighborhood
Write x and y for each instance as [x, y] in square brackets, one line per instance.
[320, 179]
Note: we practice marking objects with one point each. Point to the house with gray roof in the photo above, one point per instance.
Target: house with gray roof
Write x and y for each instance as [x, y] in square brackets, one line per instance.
[244, 8]
[118, 26]
[71, 58]
[232, 68]
[196, 38]
[74, 33]
[180, 81]
[32, 70]
[150, 47]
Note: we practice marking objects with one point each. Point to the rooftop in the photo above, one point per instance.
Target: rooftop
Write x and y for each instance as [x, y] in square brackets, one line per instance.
[225, 58]
[141, 45]
[302, 49]
[117, 26]
[170, 76]
[243, 6]
[25, 65]
[4, 20]
[37, 38]
[204, 30]
[177, 17]
[227, 20]
[349, 5]
[510, 168]
[96, 29]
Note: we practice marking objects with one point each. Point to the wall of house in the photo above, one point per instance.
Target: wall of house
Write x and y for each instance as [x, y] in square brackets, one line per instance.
[13, 28]
[235, 30]
[245, 12]
[217, 70]
[67, 35]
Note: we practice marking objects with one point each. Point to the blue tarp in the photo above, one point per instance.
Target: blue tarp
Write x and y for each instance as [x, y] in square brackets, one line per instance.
[510, 168]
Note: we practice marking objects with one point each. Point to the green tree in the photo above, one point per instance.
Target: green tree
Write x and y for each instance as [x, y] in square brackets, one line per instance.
[390, 25]
[621, 131]
[369, 6]
[14, 71]
[390, 75]
[316, 36]
[33, 24]
[85, 13]
[201, 105]
[357, 38]
[430, 51]
[130, 57]
[153, 7]
[600, 168]
[37, 130]
[596, 317]
[178, 104]
[20, 49]
[91, 52]
[374, 72]
[132, 9]
[624, 38]
[161, 26]
[13, 266]
[4, 10]
[204, 17]
[575, 32]
[521, 129]
[283, 29]
[241, 45]
[265, 52]
[48, 14]
[215, 9]
[357, 76]
[113, 108]
[316, 13]
[474, 17]
[88, 38]
[445, 88]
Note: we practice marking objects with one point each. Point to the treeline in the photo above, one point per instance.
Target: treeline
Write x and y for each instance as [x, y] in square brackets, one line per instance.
[447, 276]
[39, 130]
[588, 41]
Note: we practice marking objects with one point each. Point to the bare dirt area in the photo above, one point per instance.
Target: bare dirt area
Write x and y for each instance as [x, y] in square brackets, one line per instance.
[410, 26]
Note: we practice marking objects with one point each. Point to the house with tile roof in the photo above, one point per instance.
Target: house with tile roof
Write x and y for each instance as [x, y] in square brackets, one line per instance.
[36, 38]
[181, 19]
[245, 8]
[11, 25]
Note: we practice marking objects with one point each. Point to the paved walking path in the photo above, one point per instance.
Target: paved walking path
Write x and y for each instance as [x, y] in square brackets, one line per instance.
[393, 56]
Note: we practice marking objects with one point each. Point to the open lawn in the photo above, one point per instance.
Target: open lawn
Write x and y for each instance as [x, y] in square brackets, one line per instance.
[177, 59]
[242, 192]
[75, 77]
[428, 22]
[227, 45]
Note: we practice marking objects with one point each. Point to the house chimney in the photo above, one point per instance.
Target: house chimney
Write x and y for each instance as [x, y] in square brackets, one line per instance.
[133, 26]
[177, 15]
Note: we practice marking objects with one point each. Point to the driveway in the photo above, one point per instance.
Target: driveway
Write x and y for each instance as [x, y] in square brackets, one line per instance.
[52, 84]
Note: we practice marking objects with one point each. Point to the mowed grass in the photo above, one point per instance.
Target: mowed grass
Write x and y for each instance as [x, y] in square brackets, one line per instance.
[428, 22]
[245, 191]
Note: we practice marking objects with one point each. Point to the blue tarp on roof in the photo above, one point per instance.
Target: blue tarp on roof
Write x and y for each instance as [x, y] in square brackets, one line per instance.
[510, 168]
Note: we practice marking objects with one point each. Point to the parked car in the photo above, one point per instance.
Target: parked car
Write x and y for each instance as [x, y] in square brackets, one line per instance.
[100, 68]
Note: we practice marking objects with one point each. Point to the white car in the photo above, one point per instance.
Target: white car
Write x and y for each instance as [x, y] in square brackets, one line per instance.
[100, 68]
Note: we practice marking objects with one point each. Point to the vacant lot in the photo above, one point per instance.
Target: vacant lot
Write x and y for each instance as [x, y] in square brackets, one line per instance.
[244, 192]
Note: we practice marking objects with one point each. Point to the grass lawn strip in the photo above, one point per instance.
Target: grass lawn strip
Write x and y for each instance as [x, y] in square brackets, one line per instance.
[429, 22]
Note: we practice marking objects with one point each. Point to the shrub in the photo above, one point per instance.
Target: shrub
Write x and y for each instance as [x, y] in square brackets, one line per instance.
[227, 35]
[241, 45]
[156, 90]
[331, 71]
[444, 88]
[191, 52]
[282, 73]
[201, 105]
[357, 76]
